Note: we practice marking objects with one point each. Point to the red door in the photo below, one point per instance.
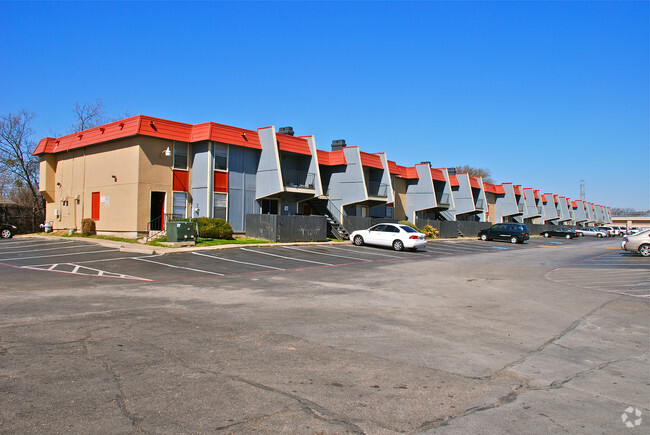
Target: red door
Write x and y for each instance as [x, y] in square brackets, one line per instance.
[94, 213]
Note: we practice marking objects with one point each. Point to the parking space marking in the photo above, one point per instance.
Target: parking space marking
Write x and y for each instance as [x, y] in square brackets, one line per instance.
[179, 267]
[287, 258]
[39, 250]
[60, 255]
[236, 261]
[22, 246]
[85, 271]
[293, 248]
[366, 249]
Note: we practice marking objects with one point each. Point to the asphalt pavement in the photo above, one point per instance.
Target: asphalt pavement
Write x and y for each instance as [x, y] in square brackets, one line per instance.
[462, 337]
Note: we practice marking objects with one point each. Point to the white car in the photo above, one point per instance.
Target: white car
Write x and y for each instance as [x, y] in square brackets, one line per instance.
[594, 232]
[639, 243]
[397, 236]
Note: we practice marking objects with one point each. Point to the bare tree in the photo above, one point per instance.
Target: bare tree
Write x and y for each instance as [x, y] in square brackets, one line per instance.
[16, 157]
[88, 115]
[476, 172]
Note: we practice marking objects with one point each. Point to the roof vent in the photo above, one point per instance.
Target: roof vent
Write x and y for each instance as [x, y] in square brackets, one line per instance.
[451, 171]
[338, 144]
[286, 130]
[426, 163]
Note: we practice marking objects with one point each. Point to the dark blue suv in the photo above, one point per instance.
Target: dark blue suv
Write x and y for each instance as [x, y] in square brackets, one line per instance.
[514, 232]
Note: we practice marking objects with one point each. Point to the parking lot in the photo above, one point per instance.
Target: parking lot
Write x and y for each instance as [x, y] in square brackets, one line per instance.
[461, 337]
[615, 270]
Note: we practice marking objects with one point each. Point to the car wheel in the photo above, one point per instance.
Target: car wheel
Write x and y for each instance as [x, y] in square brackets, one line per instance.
[547, 235]
[514, 240]
[568, 236]
[358, 240]
[398, 245]
[6, 233]
[644, 250]
[484, 237]
[600, 236]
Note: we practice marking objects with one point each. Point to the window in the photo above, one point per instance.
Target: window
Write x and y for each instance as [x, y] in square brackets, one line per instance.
[389, 211]
[179, 204]
[220, 205]
[180, 155]
[269, 206]
[220, 157]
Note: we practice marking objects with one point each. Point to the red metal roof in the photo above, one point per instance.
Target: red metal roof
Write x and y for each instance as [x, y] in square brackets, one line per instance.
[438, 174]
[517, 189]
[536, 194]
[371, 160]
[149, 126]
[293, 144]
[473, 181]
[331, 158]
[410, 173]
[494, 188]
[453, 180]
[394, 168]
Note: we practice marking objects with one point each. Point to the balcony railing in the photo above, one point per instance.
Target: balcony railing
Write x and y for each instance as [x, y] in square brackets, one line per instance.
[377, 189]
[444, 199]
[479, 204]
[298, 179]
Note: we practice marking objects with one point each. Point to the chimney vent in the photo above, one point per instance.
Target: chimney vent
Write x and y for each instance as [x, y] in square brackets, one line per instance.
[452, 171]
[338, 144]
[286, 130]
[427, 163]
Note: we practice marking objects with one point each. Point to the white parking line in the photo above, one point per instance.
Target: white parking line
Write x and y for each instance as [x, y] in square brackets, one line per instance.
[38, 250]
[60, 255]
[237, 261]
[46, 243]
[366, 249]
[286, 258]
[293, 248]
[76, 271]
[179, 267]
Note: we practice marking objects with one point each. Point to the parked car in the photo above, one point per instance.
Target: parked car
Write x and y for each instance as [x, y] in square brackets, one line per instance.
[397, 236]
[609, 230]
[7, 231]
[565, 232]
[515, 233]
[639, 243]
[593, 232]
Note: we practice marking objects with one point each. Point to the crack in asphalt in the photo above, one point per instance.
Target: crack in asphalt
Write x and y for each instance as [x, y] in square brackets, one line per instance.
[120, 398]
[503, 400]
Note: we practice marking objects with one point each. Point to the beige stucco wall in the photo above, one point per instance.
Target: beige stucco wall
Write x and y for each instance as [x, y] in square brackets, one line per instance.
[124, 173]
[400, 198]
[491, 211]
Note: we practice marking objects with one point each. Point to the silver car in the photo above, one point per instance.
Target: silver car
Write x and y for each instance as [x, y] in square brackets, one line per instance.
[639, 243]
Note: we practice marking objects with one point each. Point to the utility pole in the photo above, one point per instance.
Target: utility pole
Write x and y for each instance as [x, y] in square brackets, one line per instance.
[582, 190]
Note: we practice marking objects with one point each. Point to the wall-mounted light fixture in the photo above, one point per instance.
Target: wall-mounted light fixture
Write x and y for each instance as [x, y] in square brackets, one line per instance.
[114, 178]
[58, 184]
[167, 152]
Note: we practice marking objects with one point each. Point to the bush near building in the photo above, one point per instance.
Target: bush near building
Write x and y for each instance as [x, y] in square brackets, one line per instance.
[214, 228]
[88, 227]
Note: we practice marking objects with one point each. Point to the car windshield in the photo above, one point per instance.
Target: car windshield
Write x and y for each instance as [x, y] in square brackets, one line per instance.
[407, 229]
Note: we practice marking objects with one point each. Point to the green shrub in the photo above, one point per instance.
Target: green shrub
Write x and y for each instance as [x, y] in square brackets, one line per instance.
[410, 224]
[430, 232]
[213, 228]
[88, 227]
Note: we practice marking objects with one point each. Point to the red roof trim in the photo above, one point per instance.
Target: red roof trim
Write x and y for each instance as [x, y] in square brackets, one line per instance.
[293, 144]
[331, 158]
[438, 174]
[473, 181]
[153, 127]
[453, 180]
[371, 160]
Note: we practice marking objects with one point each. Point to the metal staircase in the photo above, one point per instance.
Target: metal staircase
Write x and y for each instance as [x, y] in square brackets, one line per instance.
[335, 228]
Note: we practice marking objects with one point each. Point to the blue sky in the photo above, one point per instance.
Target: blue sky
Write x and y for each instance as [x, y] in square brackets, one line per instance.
[544, 94]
